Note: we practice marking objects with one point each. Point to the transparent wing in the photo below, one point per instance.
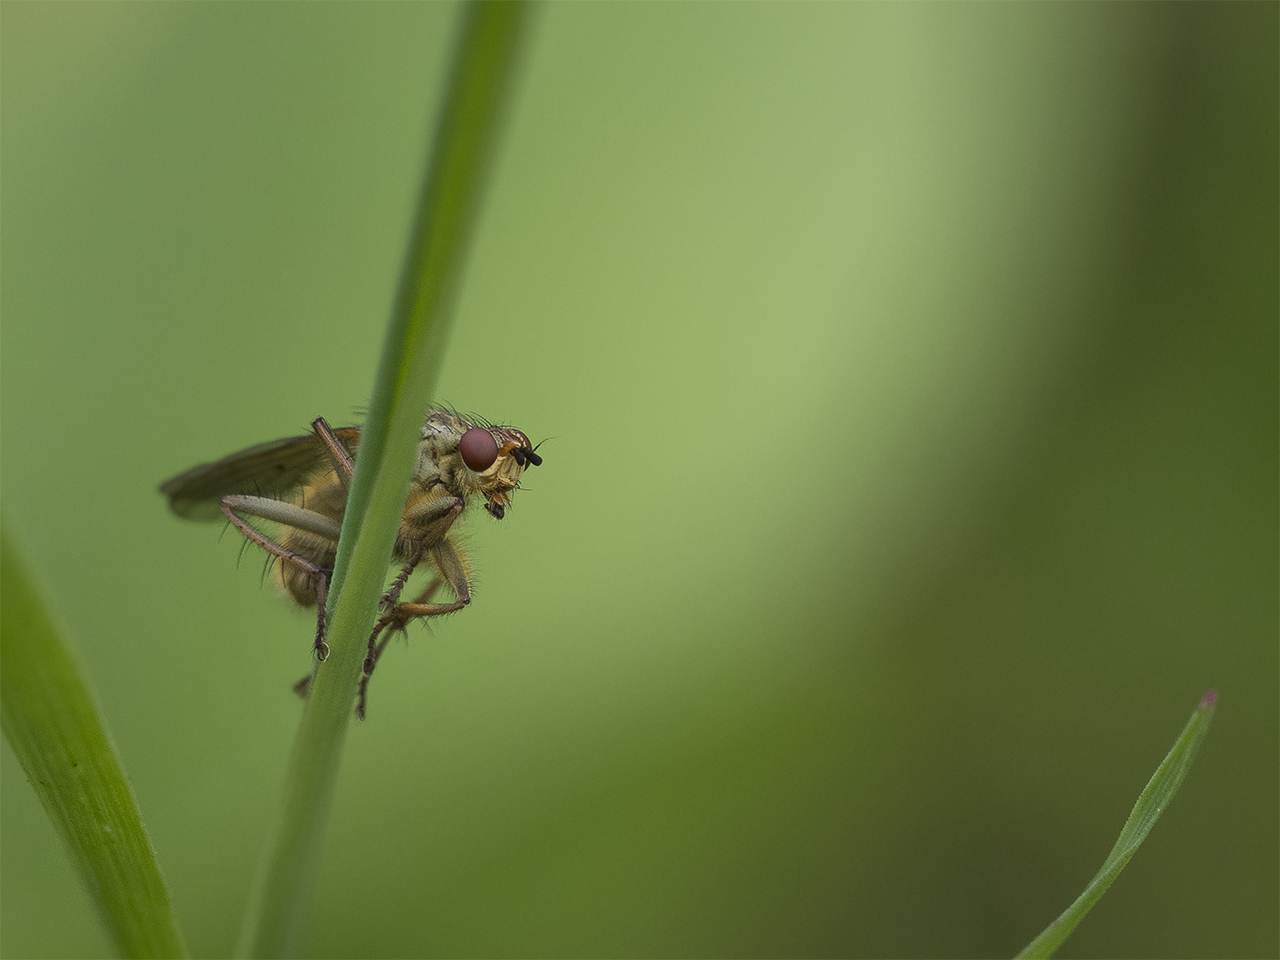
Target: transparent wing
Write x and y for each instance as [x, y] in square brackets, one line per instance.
[268, 469]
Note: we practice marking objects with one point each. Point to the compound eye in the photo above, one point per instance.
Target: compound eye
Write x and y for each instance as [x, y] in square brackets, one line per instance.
[478, 449]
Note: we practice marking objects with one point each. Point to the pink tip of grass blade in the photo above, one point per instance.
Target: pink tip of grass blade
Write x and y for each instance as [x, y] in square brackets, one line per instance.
[1210, 701]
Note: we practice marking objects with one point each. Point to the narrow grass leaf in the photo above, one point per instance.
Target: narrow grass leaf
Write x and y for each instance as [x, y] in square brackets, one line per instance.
[50, 720]
[1151, 803]
[465, 141]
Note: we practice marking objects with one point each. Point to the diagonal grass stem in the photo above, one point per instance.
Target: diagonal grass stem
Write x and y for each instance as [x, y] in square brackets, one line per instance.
[465, 141]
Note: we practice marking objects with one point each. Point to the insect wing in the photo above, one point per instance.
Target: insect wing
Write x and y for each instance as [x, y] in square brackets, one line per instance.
[268, 469]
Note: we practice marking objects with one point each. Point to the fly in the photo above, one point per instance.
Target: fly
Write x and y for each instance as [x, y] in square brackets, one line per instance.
[301, 484]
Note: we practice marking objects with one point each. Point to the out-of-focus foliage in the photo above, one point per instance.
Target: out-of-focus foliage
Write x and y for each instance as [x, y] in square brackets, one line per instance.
[54, 730]
[910, 374]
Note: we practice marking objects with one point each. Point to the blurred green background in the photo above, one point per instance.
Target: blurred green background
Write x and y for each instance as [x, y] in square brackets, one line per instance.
[911, 379]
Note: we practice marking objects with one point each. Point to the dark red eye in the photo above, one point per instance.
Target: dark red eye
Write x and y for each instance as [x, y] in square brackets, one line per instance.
[478, 449]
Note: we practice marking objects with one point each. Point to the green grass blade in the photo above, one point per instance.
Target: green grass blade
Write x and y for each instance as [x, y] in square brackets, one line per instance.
[50, 720]
[1151, 803]
[465, 141]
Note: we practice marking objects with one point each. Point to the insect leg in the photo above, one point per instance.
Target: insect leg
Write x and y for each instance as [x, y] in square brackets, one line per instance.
[343, 465]
[446, 559]
[279, 511]
[451, 570]
[423, 524]
[388, 605]
[390, 598]
[294, 516]
[395, 621]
